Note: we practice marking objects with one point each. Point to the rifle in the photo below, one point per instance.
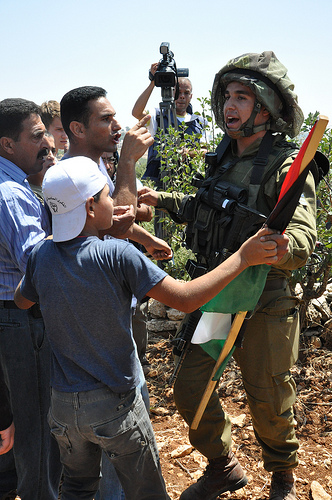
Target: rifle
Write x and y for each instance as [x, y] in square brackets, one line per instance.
[182, 341]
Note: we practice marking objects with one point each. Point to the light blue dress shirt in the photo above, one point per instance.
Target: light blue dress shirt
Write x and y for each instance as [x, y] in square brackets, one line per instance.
[23, 223]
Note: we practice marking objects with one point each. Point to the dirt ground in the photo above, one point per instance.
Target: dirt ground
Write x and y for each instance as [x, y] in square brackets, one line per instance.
[183, 465]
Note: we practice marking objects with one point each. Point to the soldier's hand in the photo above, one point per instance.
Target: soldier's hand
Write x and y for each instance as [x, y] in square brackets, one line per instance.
[148, 196]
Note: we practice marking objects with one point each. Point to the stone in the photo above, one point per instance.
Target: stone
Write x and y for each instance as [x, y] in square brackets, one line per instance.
[175, 315]
[318, 492]
[239, 421]
[322, 306]
[314, 316]
[161, 325]
[157, 309]
[182, 451]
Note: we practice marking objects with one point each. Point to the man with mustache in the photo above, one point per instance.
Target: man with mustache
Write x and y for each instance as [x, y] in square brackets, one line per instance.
[24, 350]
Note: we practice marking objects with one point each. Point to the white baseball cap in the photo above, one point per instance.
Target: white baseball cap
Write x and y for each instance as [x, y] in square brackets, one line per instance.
[66, 188]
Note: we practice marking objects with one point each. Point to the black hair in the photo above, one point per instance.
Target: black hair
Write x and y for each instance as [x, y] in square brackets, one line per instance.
[13, 112]
[74, 106]
[96, 196]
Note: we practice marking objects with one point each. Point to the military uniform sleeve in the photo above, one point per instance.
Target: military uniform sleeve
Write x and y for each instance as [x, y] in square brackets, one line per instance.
[170, 201]
[301, 230]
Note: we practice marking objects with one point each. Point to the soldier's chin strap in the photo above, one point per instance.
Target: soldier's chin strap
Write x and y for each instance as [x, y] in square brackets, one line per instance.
[247, 128]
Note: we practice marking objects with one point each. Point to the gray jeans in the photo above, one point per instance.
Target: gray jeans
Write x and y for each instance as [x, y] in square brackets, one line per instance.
[86, 423]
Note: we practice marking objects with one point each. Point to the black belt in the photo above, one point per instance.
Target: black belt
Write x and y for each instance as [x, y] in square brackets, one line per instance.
[8, 304]
[275, 284]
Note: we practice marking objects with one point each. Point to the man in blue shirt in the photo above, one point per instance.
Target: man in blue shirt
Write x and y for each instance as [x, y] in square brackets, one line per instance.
[24, 350]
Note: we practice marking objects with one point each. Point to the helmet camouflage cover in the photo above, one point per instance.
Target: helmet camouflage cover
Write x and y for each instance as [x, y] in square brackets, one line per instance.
[267, 78]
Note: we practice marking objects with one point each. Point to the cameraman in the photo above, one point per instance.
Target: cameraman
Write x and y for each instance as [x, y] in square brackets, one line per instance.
[184, 113]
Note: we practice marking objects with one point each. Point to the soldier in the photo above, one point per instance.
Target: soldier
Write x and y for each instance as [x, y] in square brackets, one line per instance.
[254, 104]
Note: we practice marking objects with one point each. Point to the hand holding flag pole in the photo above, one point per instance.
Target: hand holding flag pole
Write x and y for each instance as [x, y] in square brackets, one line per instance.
[278, 219]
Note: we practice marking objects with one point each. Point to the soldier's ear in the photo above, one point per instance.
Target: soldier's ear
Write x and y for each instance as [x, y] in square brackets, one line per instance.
[265, 112]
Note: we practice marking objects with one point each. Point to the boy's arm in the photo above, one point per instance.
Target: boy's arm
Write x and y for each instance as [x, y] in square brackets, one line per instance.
[157, 248]
[21, 301]
[263, 248]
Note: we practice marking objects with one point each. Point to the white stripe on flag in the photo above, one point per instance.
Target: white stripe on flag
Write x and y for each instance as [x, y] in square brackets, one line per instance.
[212, 326]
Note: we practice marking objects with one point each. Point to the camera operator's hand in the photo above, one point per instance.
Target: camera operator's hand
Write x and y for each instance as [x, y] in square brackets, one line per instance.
[152, 71]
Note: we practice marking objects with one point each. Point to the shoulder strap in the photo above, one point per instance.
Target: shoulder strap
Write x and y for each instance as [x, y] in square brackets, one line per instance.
[262, 158]
[222, 147]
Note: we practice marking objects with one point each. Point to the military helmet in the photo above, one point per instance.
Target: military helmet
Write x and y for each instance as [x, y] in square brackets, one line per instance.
[267, 78]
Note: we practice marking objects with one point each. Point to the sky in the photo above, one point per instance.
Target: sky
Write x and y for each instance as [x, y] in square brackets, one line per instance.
[48, 49]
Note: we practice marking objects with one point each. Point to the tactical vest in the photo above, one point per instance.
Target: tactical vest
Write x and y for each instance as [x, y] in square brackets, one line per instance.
[230, 204]
[152, 171]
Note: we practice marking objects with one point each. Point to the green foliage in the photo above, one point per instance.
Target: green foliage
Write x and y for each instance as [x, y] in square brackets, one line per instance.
[324, 190]
[212, 134]
[140, 167]
[314, 277]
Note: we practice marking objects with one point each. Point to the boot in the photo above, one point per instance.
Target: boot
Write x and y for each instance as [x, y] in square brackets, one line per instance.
[282, 486]
[222, 474]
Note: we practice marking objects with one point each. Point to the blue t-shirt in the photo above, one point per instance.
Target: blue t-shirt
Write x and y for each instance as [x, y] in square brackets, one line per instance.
[84, 287]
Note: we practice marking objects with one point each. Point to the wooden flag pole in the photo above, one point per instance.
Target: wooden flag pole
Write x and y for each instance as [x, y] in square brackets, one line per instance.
[316, 137]
[229, 342]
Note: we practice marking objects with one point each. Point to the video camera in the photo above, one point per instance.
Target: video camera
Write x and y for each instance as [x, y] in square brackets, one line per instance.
[167, 74]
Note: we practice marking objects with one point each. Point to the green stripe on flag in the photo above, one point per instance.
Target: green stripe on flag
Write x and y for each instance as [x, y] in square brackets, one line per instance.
[242, 293]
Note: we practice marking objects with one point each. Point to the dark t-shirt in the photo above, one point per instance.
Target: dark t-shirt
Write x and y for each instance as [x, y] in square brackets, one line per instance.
[85, 287]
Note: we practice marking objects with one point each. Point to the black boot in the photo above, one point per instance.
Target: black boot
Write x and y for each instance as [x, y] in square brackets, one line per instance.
[222, 474]
[283, 486]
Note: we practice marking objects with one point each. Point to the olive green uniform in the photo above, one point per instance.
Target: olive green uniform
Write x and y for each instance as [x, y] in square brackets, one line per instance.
[271, 338]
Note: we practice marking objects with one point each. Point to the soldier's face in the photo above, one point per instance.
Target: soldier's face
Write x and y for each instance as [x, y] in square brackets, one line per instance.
[238, 106]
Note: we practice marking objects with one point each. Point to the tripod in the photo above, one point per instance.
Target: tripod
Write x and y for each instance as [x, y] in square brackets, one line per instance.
[167, 108]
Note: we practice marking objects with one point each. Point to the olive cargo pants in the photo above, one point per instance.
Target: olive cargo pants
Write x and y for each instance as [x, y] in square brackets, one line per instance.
[270, 348]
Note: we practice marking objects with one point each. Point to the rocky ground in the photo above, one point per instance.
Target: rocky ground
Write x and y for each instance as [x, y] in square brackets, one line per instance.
[182, 465]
